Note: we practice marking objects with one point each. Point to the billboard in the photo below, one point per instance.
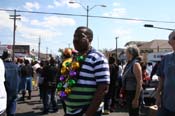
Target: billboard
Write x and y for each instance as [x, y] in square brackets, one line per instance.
[23, 49]
[19, 49]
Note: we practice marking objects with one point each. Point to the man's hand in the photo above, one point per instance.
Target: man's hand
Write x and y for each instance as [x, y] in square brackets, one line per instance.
[98, 98]
[135, 103]
[158, 101]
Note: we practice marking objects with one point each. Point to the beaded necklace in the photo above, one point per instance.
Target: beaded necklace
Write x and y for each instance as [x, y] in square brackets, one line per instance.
[69, 74]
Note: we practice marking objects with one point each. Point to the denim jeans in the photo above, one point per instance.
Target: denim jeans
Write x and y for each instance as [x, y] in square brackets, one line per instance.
[164, 112]
[41, 91]
[11, 105]
[49, 96]
[26, 83]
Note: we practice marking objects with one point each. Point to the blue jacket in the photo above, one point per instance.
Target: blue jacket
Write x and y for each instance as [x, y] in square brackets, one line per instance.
[11, 77]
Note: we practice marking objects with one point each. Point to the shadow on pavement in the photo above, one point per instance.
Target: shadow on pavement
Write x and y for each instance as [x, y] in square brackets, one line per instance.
[29, 114]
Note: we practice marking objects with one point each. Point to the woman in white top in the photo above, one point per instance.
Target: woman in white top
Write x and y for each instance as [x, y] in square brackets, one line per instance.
[3, 94]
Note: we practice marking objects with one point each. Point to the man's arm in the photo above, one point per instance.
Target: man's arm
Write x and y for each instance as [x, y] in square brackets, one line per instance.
[98, 98]
[138, 74]
[159, 92]
[160, 74]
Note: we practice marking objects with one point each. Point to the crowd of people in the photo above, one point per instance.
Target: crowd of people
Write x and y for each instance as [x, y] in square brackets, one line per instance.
[87, 82]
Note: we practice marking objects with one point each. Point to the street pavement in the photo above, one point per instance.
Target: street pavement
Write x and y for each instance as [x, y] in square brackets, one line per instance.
[34, 107]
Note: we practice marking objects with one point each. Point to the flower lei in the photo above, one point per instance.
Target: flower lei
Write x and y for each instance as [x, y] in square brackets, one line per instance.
[69, 73]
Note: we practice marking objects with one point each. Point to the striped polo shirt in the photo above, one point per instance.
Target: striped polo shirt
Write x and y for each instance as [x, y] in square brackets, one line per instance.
[94, 71]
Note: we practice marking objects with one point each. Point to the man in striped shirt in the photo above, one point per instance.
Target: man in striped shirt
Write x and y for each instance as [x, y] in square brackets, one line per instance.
[93, 80]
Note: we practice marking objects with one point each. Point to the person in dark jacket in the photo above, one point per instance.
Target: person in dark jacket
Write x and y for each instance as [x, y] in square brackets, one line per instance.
[49, 86]
[26, 79]
[132, 80]
[11, 83]
[109, 100]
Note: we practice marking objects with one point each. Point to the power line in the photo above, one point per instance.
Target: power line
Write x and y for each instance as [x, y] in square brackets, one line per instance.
[132, 19]
[78, 15]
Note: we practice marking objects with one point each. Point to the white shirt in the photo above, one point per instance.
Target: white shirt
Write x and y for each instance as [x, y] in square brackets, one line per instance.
[149, 69]
[120, 70]
[3, 94]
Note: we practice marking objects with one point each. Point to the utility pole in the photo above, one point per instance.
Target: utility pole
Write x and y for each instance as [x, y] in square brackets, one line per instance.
[116, 49]
[39, 44]
[46, 52]
[87, 16]
[98, 42]
[14, 17]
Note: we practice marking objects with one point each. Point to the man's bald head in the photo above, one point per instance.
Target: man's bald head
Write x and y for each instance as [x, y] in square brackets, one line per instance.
[172, 35]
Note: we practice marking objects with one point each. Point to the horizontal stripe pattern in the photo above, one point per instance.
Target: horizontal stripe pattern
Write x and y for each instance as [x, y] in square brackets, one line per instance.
[94, 71]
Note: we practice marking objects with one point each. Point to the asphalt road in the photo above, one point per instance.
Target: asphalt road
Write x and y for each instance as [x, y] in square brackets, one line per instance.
[34, 107]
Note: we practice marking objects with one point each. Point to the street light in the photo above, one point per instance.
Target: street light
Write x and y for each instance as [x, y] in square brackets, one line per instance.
[116, 49]
[152, 26]
[87, 8]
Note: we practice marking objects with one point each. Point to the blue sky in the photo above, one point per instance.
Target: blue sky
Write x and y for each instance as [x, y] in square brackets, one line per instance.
[56, 31]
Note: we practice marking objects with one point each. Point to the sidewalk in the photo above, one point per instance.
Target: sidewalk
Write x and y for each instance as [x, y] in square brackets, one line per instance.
[34, 106]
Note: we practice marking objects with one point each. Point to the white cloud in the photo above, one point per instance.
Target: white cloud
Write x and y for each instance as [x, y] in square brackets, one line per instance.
[116, 4]
[30, 6]
[59, 3]
[24, 19]
[58, 21]
[35, 22]
[54, 21]
[134, 21]
[74, 5]
[117, 11]
[5, 21]
[28, 32]
[50, 6]
[31, 35]
[122, 32]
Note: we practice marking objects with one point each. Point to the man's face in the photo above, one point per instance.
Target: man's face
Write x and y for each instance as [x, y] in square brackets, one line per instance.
[81, 41]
